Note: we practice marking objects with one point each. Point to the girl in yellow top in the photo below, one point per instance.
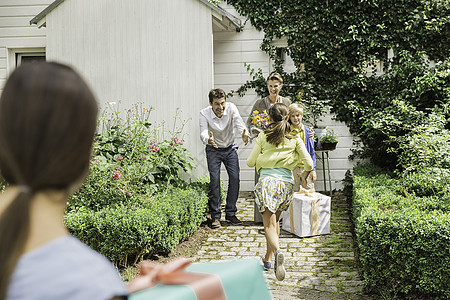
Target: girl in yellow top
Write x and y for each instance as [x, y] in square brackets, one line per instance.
[276, 154]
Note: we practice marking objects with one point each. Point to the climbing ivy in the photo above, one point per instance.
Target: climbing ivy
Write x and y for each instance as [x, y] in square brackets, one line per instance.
[331, 41]
[334, 46]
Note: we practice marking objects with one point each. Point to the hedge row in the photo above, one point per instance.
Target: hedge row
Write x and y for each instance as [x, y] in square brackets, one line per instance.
[126, 233]
[403, 239]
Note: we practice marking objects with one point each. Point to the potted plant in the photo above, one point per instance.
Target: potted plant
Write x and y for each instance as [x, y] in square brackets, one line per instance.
[314, 110]
[328, 140]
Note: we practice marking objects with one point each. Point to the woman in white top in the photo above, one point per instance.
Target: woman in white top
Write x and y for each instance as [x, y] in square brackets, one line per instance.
[47, 124]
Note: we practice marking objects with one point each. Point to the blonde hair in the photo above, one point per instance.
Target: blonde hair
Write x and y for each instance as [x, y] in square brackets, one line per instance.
[295, 108]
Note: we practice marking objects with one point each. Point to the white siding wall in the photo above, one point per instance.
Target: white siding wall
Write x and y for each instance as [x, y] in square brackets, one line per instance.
[156, 52]
[231, 51]
[16, 32]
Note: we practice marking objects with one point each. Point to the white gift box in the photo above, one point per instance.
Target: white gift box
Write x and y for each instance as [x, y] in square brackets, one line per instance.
[308, 215]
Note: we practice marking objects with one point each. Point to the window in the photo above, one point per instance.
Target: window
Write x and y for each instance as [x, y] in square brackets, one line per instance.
[22, 58]
[288, 63]
[18, 56]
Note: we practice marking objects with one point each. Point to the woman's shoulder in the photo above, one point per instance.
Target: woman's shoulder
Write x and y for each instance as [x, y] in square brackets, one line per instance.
[259, 103]
[286, 100]
[56, 269]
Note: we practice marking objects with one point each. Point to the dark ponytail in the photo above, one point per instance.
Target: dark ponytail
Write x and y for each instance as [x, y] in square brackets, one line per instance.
[47, 124]
[14, 229]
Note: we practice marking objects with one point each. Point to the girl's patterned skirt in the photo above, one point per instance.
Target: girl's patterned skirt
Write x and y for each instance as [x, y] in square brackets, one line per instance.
[273, 194]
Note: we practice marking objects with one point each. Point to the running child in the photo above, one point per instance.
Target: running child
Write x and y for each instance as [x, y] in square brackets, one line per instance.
[276, 154]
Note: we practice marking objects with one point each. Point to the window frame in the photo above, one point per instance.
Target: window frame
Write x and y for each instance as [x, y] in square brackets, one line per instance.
[14, 56]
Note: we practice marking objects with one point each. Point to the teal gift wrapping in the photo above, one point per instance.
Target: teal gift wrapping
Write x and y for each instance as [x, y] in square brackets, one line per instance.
[241, 279]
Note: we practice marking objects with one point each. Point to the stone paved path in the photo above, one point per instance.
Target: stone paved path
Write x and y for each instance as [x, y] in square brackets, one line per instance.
[321, 267]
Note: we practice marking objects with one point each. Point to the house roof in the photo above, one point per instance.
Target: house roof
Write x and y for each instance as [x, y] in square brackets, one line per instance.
[220, 16]
[41, 16]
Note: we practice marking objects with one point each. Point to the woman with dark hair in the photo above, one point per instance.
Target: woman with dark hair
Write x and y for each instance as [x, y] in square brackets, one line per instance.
[47, 123]
[275, 155]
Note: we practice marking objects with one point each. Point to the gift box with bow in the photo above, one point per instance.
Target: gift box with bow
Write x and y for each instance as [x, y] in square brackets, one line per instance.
[179, 279]
[308, 215]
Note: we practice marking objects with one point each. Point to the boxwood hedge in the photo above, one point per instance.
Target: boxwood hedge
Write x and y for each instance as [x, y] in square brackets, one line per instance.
[126, 233]
[403, 238]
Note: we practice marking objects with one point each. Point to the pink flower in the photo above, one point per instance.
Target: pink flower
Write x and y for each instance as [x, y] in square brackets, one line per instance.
[129, 193]
[120, 158]
[153, 147]
[177, 141]
[117, 174]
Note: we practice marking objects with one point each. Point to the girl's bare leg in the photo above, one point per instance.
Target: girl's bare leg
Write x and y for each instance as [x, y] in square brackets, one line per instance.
[271, 224]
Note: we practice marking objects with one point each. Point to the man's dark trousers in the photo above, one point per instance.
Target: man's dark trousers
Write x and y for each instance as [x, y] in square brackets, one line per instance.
[229, 157]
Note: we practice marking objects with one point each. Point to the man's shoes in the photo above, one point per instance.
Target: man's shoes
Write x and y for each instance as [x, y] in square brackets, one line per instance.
[215, 223]
[233, 220]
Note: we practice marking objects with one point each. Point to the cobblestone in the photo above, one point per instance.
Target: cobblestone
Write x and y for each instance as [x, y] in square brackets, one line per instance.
[320, 267]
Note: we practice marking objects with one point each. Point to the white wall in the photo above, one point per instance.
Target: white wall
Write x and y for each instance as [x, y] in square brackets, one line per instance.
[231, 51]
[156, 52]
[16, 34]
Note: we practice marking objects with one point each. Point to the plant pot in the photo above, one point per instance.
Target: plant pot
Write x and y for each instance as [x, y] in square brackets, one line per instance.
[319, 131]
[328, 145]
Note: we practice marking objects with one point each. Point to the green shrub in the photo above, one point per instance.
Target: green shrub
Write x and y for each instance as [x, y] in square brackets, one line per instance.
[134, 202]
[203, 183]
[405, 252]
[427, 145]
[403, 240]
[132, 161]
[366, 61]
[126, 234]
[134, 141]
[428, 182]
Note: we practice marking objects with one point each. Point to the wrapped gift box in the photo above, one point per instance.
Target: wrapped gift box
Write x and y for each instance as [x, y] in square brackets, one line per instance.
[240, 279]
[308, 215]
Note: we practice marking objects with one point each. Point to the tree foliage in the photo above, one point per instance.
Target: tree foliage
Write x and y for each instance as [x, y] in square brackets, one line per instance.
[335, 46]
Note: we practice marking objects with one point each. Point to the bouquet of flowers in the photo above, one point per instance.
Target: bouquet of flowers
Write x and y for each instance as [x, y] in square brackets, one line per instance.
[260, 121]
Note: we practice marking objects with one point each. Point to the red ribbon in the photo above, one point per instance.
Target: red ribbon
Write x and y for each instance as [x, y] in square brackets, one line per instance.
[205, 286]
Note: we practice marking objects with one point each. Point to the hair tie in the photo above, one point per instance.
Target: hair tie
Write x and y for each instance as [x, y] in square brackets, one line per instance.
[24, 189]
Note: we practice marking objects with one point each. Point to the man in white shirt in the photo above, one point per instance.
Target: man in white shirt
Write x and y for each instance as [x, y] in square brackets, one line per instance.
[217, 124]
